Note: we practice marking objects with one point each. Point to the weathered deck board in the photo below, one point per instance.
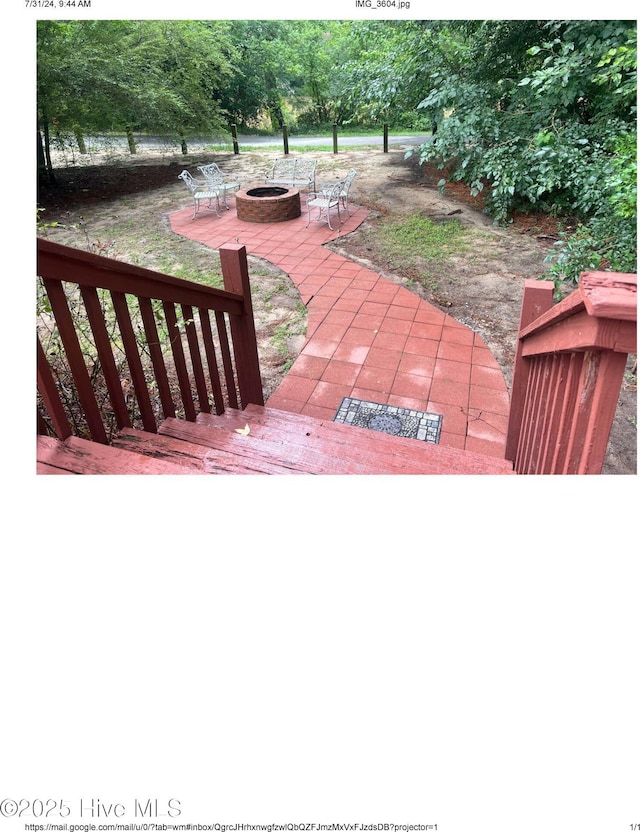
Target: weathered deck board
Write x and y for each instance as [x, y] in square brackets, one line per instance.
[197, 456]
[43, 468]
[325, 447]
[388, 454]
[279, 447]
[80, 456]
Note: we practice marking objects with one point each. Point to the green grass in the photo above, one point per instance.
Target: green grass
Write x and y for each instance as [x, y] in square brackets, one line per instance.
[195, 274]
[419, 246]
[419, 237]
[294, 324]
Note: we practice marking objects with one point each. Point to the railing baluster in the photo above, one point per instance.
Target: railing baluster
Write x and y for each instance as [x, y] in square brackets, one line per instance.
[227, 361]
[105, 355]
[196, 359]
[527, 423]
[133, 360]
[555, 390]
[524, 446]
[212, 361]
[51, 397]
[543, 413]
[175, 338]
[594, 406]
[157, 358]
[570, 395]
[78, 368]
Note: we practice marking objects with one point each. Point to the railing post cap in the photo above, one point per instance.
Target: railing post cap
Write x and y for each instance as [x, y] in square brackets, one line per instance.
[610, 294]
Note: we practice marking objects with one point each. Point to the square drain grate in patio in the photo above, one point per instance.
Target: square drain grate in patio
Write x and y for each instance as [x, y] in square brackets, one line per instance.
[398, 421]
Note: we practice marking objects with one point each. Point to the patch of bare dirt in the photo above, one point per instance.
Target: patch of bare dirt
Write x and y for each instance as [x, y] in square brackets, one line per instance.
[482, 288]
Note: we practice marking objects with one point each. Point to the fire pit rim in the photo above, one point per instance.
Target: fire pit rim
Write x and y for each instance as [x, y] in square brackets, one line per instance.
[266, 191]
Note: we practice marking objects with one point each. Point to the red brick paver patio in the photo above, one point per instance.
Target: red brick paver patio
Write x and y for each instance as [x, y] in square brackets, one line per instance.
[367, 337]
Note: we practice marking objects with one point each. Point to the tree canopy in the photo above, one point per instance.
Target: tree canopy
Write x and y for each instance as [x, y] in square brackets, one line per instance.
[120, 76]
[533, 113]
[544, 116]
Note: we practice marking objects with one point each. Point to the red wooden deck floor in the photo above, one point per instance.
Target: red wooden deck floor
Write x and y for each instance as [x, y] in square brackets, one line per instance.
[368, 338]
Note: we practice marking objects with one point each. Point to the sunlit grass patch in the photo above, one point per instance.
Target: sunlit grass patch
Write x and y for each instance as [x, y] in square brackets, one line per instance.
[417, 236]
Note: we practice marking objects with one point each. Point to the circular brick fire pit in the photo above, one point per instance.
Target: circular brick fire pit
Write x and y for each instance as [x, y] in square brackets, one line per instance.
[268, 204]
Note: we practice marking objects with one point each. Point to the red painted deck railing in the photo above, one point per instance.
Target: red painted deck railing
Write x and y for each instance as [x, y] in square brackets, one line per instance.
[569, 368]
[126, 346]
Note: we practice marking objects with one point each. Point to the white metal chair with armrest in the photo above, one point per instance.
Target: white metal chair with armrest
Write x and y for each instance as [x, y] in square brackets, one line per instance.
[344, 194]
[216, 179]
[201, 191]
[324, 202]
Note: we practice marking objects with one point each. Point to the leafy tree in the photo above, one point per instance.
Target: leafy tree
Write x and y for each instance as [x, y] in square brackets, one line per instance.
[374, 77]
[129, 75]
[284, 69]
[190, 63]
[264, 74]
[318, 49]
[545, 116]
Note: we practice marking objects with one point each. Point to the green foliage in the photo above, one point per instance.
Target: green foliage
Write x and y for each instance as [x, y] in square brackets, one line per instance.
[602, 243]
[380, 76]
[608, 238]
[623, 177]
[104, 75]
[545, 119]
[284, 69]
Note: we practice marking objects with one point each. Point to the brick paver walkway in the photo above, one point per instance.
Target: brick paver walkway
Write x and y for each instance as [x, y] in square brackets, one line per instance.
[368, 337]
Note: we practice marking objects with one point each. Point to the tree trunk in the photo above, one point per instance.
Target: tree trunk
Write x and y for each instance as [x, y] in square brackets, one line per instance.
[183, 145]
[131, 141]
[44, 150]
[275, 110]
[79, 139]
[42, 164]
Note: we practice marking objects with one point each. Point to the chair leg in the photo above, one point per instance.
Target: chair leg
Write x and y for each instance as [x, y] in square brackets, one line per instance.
[317, 219]
[217, 206]
[329, 216]
[324, 215]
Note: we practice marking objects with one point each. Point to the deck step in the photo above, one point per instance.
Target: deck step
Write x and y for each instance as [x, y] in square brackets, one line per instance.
[278, 444]
[259, 440]
[383, 452]
[81, 456]
[198, 457]
[323, 446]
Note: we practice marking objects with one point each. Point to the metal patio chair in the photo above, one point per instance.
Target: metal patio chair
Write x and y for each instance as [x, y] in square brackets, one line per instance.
[324, 202]
[215, 178]
[344, 194]
[201, 191]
